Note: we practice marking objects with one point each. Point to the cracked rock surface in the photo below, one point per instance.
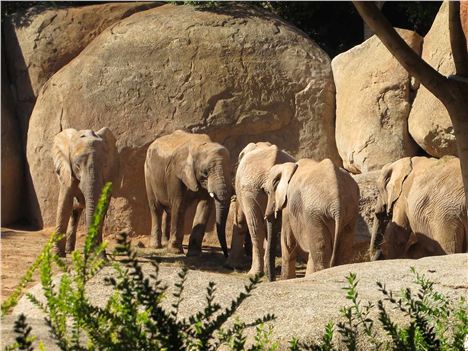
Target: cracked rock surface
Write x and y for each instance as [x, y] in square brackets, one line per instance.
[39, 41]
[373, 102]
[238, 74]
[302, 306]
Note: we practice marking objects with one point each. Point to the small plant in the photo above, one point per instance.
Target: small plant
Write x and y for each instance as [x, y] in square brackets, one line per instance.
[133, 317]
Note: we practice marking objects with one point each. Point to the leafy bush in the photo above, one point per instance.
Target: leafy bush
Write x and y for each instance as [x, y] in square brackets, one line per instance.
[134, 318]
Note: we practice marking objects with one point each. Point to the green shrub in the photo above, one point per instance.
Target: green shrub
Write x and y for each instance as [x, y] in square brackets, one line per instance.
[133, 318]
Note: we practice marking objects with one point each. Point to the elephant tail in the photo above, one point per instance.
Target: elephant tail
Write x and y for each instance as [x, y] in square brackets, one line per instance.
[335, 241]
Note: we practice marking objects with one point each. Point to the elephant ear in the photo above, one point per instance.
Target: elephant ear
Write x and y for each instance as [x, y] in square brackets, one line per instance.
[287, 172]
[184, 167]
[61, 156]
[392, 179]
[111, 160]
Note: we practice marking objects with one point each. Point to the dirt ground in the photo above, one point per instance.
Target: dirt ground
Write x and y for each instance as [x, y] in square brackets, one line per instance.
[20, 247]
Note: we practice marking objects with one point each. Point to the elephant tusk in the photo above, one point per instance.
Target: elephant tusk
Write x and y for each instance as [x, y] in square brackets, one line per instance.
[212, 195]
[276, 214]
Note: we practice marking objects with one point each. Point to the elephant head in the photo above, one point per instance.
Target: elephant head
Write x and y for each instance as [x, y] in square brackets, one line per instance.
[387, 237]
[88, 159]
[207, 167]
[276, 188]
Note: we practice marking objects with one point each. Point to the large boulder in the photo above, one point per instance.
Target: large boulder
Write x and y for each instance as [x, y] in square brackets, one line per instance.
[302, 306]
[12, 159]
[373, 93]
[239, 74]
[41, 40]
[429, 122]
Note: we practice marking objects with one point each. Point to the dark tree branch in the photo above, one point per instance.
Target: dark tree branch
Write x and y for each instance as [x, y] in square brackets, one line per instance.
[412, 62]
[457, 40]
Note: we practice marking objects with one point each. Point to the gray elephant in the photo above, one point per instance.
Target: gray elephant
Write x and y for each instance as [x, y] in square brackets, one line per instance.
[421, 210]
[181, 168]
[84, 161]
[254, 163]
[319, 206]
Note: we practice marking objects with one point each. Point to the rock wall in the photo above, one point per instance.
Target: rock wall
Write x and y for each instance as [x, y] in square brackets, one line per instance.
[40, 41]
[373, 93]
[239, 74]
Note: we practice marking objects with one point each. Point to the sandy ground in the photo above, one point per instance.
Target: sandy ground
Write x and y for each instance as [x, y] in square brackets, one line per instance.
[20, 247]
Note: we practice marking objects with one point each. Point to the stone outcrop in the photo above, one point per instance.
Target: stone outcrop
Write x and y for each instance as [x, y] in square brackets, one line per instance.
[239, 74]
[429, 122]
[373, 93]
[464, 18]
[42, 40]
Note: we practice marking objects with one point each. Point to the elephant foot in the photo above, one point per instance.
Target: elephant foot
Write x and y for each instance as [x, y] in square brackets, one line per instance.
[175, 249]
[254, 271]
[233, 263]
[193, 252]
[60, 252]
[156, 245]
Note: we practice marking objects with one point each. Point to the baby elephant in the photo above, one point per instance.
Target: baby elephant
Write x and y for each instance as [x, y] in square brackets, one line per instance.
[319, 203]
[84, 161]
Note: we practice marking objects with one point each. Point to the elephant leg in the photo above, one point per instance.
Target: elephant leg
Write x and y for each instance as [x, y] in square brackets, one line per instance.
[238, 241]
[345, 251]
[289, 249]
[156, 214]
[78, 207]
[202, 215]
[320, 246]
[156, 232]
[64, 210]
[165, 227]
[257, 228]
[177, 226]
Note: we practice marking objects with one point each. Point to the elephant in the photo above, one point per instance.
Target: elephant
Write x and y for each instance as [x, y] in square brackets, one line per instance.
[421, 209]
[254, 163]
[181, 168]
[319, 206]
[84, 161]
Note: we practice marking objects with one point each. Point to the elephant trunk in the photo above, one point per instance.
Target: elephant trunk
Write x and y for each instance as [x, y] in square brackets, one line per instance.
[91, 187]
[273, 228]
[219, 189]
[378, 229]
[222, 209]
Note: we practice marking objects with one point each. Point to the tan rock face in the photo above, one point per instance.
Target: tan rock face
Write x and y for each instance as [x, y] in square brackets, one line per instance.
[372, 105]
[429, 122]
[464, 19]
[238, 75]
[39, 43]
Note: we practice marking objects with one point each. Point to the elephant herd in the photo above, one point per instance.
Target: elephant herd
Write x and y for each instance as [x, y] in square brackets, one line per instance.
[312, 205]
